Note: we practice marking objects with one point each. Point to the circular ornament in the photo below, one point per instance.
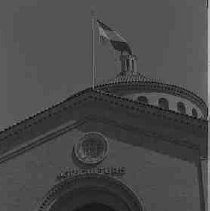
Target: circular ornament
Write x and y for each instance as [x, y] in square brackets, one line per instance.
[92, 148]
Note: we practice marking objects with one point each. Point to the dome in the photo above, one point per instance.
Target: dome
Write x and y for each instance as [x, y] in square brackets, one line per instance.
[130, 77]
[136, 86]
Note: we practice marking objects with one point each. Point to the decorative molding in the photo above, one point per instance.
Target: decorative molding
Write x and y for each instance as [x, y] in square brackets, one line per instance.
[137, 107]
[39, 141]
[201, 186]
[90, 159]
[156, 86]
[91, 181]
[63, 129]
[184, 142]
[89, 95]
[100, 96]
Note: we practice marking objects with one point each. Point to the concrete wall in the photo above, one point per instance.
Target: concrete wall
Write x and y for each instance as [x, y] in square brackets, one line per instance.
[163, 183]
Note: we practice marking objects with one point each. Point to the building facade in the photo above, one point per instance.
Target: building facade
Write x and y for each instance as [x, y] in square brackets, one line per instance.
[129, 144]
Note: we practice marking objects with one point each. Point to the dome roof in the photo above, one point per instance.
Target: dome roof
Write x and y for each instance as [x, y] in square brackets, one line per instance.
[131, 77]
[136, 86]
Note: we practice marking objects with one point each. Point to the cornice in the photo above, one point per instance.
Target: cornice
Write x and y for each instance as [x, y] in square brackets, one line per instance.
[156, 86]
[138, 107]
[40, 116]
[77, 100]
[161, 136]
[37, 141]
[22, 148]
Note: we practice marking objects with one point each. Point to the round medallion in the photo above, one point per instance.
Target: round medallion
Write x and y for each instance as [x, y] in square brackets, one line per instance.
[91, 148]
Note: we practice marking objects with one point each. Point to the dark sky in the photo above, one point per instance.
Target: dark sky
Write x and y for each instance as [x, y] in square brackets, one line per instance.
[45, 48]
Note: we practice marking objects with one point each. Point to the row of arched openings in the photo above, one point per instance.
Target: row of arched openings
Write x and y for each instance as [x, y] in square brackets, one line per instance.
[164, 104]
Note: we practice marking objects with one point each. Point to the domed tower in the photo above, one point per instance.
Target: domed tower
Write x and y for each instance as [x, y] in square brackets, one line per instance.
[130, 144]
[131, 84]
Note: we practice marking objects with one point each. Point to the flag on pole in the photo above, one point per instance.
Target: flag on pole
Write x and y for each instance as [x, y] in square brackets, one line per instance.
[107, 35]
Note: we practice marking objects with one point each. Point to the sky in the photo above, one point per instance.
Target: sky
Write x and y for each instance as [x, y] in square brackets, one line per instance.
[45, 48]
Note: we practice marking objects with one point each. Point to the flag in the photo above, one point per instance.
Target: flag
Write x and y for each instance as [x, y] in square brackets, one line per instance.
[107, 35]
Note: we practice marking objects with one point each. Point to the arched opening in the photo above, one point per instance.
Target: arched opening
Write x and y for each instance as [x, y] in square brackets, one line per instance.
[95, 207]
[194, 113]
[163, 103]
[143, 99]
[90, 192]
[181, 108]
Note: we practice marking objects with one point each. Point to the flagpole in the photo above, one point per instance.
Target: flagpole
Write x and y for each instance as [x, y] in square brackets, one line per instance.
[93, 48]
